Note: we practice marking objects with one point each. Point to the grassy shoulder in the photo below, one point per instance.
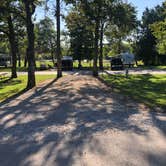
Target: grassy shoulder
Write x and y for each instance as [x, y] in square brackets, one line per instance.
[149, 89]
[85, 65]
[89, 64]
[15, 86]
[22, 68]
[153, 67]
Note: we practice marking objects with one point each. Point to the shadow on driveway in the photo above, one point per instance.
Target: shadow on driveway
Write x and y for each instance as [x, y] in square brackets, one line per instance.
[54, 124]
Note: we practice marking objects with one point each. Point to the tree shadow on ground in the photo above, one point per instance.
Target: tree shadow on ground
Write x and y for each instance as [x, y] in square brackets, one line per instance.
[51, 126]
[10, 81]
[144, 88]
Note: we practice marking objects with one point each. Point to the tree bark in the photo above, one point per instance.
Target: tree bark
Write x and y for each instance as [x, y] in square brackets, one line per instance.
[25, 60]
[96, 49]
[19, 59]
[58, 50]
[12, 42]
[79, 64]
[52, 57]
[30, 8]
[52, 54]
[119, 45]
[18, 54]
[101, 47]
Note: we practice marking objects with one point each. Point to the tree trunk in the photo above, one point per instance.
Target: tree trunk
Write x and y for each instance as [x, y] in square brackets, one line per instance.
[12, 46]
[18, 54]
[25, 60]
[30, 8]
[157, 60]
[52, 57]
[101, 47]
[119, 45]
[52, 54]
[19, 59]
[79, 63]
[96, 50]
[58, 50]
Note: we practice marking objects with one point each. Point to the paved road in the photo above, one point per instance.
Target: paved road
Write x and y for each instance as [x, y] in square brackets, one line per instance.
[138, 71]
[78, 121]
[131, 71]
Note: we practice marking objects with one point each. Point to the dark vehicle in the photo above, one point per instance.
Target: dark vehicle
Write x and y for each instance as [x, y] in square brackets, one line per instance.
[4, 60]
[67, 63]
[43, 65]
[116, 64]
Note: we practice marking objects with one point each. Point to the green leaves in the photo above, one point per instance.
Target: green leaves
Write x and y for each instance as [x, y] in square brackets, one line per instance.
[81, 33]
[45, 35]
[159, 31]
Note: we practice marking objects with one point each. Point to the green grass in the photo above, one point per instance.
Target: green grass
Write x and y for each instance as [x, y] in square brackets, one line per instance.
[84, 64]
[3, 69]
[22, 68]
[155, 67]
[15, 86]
[149, 89]
[88, 65]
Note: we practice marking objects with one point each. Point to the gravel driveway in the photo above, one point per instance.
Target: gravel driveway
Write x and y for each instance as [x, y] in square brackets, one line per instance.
[131, 71]
[78, 121]
[138, 71]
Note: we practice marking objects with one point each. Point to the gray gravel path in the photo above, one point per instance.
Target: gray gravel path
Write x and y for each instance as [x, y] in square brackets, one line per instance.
[138, 71]
[77, 121]
[131, 71]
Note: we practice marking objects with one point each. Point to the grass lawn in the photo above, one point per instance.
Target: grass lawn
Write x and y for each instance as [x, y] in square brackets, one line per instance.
[89, 64]
[149, 89]
[15, 86]
[84, 64]
[154, 67]
[3, 69]
[22, 68]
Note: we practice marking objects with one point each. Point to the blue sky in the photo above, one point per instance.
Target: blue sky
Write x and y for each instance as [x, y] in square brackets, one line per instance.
[142, 4]
[139, 4]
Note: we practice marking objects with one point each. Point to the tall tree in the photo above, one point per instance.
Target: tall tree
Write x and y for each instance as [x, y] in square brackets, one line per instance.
[81, 34]
[147, 42]
[93, 10]
[122, 23]
[58, 50]
[12, 41]
[101, 46]
[29, 10]
[7, 27]
[46, 37]
[99, 12]
[159, 31]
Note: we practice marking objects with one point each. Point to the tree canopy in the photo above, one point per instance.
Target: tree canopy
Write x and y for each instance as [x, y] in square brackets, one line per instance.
[93, 27]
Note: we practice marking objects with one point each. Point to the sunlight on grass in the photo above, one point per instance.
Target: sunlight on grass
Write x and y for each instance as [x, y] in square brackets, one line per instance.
[15, 86]
[150, 89]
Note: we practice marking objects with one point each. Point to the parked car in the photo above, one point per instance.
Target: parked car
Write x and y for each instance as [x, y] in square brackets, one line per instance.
[4, 63]
[43, 65]
[4, 60]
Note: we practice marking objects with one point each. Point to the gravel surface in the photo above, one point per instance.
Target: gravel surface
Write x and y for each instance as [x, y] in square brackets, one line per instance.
[78, 121]
[138, 71]
[131, 71]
